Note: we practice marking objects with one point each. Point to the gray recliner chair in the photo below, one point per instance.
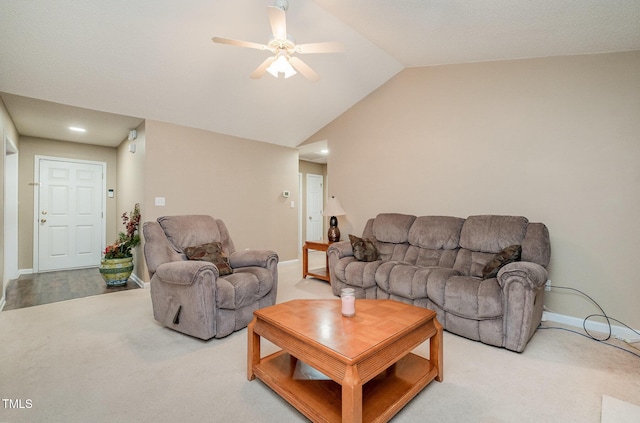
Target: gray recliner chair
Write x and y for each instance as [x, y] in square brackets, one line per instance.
[190, 296]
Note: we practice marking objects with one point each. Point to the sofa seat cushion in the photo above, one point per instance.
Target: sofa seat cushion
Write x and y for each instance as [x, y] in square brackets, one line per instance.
[409, 281]
[356, 273]
[472, 298]
[243, 287]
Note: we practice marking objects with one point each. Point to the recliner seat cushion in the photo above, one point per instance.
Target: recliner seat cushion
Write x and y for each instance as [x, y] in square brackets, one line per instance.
[242, 288]
[473, 298]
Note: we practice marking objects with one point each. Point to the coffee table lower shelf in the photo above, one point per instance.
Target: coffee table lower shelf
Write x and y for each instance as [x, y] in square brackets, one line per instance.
[321, 399]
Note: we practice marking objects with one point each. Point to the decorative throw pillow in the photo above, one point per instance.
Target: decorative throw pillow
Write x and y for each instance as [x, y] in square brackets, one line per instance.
[363, 249]
[213, 253]
[506, 256]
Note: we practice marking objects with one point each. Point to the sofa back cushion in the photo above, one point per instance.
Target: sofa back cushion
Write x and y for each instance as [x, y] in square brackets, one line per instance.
[392, 227]
[434, 241]
[391, 231]
[491, 233]
[536, 246]
[484, 236]
[436, 232]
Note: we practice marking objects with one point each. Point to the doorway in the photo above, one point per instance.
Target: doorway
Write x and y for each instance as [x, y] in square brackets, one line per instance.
[69, 222]
[10, 213]
[315, 205]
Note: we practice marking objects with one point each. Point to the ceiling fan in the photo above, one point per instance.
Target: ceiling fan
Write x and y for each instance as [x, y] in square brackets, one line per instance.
[283, 48]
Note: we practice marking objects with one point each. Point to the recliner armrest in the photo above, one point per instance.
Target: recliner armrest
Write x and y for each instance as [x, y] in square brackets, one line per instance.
[186, 272]
[531, 275]
[247, 258]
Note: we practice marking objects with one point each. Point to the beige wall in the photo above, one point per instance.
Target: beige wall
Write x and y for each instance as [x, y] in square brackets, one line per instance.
[306, 168]
[7, 130]
[130, 189]
[237, 180]
[29, 148]
[554, 139]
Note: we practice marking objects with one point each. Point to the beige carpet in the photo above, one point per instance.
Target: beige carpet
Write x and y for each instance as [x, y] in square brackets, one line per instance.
[616, 411]
[104, 359]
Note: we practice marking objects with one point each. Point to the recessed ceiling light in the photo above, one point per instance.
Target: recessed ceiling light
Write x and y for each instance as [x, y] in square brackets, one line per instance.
[77, 129]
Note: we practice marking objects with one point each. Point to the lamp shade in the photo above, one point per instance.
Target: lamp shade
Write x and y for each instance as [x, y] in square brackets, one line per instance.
[333, 208]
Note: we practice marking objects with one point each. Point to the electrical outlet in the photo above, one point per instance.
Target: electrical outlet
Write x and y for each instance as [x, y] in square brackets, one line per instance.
[547, 285]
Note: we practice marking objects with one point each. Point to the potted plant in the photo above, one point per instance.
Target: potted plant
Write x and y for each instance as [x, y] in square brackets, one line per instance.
[117, 262]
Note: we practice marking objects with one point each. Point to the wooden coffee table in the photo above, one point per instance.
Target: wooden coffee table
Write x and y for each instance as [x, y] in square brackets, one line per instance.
[350, 369]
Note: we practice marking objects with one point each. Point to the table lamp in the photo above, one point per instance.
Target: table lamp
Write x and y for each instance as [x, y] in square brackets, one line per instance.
[333, 209]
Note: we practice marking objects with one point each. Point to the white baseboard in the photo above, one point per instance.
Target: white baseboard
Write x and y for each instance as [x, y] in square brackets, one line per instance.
[137, 280]
[619, 332]
[288, 261]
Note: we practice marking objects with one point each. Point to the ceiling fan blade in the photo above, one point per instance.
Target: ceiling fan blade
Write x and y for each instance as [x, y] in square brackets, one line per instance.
[239, 43]
[260, 70]
[304, 69]
[328, 47]
[278, 20]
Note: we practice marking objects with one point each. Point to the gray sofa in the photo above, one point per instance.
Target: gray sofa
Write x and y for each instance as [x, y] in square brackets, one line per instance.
[195, 296]
[437, 262]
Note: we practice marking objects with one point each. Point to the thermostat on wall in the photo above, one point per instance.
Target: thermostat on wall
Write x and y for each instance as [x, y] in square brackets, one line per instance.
[285, 194]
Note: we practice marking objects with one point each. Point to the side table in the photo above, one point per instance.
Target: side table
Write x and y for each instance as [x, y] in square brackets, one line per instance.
[322, 274]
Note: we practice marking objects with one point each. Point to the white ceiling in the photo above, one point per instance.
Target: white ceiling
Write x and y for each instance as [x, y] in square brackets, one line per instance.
[154, 59]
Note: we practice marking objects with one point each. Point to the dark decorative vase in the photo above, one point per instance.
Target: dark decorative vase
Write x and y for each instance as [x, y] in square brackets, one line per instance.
[334, 232]
[116, 272]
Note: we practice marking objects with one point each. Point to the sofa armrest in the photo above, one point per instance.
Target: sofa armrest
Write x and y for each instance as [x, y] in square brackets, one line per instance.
[247, 258]
[186, 272]
[531, 275]
[339, 250]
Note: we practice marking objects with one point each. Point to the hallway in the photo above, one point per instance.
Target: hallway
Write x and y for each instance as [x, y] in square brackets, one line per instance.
[43, 288]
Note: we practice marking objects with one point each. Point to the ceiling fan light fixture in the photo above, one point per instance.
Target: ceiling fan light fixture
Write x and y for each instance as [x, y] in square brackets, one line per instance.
[281, 65]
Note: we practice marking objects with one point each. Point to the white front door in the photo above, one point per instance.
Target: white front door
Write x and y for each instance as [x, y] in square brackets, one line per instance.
[70, 214]
[314, 207]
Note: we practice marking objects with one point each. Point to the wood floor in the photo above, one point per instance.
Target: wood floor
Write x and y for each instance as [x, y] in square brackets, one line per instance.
[50, 287]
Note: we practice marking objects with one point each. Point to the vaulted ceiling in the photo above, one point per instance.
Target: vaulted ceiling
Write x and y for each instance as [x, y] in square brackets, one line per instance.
[126, 61]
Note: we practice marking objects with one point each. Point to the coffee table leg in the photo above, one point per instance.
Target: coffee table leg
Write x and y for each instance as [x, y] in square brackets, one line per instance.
[253, 350]
[305, 261]
[351, 396]
[435, 351]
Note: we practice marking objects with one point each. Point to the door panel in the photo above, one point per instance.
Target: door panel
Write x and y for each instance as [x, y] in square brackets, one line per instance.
[70, 213]
[315, 205]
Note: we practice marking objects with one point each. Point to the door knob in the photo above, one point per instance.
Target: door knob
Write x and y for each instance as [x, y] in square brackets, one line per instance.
[44, 212]
[43, 220]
